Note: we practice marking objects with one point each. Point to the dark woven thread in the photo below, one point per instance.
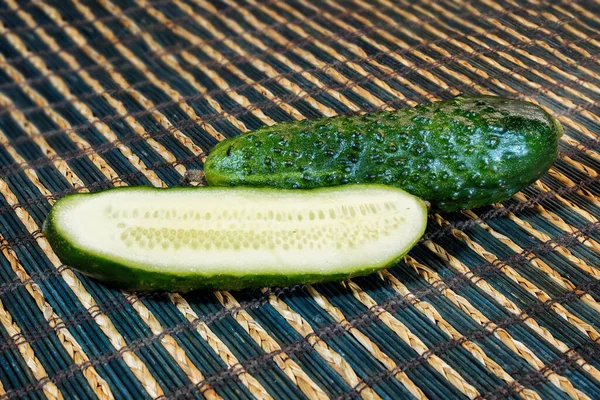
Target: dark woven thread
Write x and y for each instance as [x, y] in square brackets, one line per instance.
[222, 12]
[76, 318]
[97, 149]
[100, 184]
[169, 50]
[360, 319]
[275, 26]
[34, 278]
[41, 331]
[441, 61]
[134, 38]
[18, 240]
[344, 62]
[363, 319]
[104, 184]
[137, 344]
[525, 10]
[329, 331]
[213, 117]
[278, 26]
[558, 365]
[589, 144]
[570, 83]
[586, 25]
[108, 306]
[240, 110]
[497, 14]
[56, 323]
[565, 298]
[124, 12]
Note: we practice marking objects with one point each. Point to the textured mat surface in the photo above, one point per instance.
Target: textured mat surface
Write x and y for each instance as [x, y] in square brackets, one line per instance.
[502, 301]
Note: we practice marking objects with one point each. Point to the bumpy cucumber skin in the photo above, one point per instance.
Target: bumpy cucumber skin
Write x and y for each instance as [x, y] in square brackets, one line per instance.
[128, 276]
[456, 154]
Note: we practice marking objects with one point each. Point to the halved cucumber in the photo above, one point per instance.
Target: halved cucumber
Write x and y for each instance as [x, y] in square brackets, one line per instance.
[181, 239]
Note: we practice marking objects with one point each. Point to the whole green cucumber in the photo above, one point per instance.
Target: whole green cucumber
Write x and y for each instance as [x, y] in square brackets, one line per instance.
[456, 154]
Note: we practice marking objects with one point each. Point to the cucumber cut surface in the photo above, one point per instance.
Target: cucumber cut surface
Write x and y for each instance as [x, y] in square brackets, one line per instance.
[181, 239]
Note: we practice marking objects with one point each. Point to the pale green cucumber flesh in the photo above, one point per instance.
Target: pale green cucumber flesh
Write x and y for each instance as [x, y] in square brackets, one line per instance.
[182, 239]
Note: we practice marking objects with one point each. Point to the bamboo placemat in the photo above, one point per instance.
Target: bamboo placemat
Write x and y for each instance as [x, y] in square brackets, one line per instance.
[501, 301]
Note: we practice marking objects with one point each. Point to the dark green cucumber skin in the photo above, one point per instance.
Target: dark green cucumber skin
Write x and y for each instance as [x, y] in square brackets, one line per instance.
[132, 277]
[457, 154]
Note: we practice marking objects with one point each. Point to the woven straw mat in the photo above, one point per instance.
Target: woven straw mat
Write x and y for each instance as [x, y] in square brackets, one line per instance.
[501, 301]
